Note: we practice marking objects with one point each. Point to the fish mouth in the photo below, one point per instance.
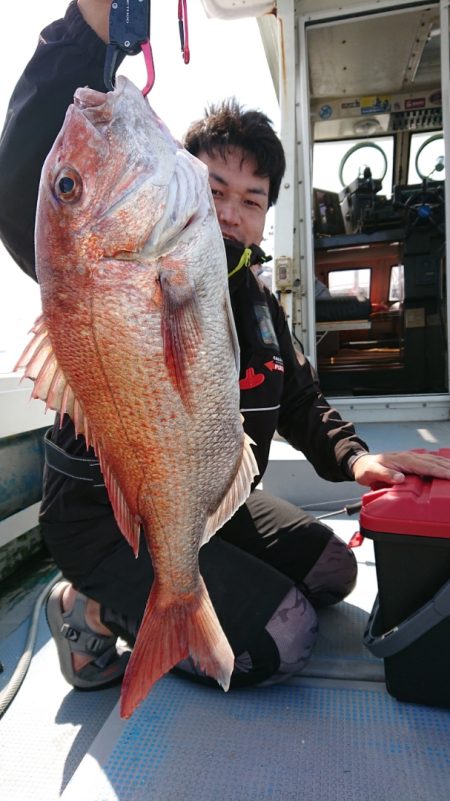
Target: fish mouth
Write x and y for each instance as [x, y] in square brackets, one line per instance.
[97, 107]
[100, 107]
[166, 183]
[85, 97]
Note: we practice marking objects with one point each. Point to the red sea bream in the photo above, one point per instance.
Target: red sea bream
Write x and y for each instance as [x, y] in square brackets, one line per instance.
[137, 344]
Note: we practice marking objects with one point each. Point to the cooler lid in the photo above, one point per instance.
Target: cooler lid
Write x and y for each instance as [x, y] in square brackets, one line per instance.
[419, 506]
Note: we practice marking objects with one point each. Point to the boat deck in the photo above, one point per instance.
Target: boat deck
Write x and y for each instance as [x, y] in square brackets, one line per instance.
[332, 733]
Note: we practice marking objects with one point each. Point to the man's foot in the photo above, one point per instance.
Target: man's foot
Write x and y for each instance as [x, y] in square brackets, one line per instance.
[86, 648]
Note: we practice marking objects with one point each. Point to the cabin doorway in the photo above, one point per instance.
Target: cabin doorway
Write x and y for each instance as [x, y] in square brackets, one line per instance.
[378, 202]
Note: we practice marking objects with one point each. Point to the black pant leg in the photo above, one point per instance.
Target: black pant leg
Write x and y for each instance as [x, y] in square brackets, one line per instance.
[244, 590]
[279, 533]
[249, 567]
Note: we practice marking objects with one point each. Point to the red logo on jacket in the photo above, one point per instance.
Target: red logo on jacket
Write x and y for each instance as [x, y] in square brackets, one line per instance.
[251, 379]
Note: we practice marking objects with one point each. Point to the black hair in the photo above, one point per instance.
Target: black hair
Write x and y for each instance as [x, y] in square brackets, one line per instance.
[228, 124]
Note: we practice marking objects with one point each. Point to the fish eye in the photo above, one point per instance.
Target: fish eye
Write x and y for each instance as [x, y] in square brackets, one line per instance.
[68, 185]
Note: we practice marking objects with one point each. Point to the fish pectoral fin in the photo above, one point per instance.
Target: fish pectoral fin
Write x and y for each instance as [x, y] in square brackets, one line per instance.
[40, 364]
[181, 331]
[237, 493]
[170, 632]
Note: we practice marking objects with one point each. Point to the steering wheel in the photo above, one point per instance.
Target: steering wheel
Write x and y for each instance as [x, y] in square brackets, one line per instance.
[353, 150]
[439, 163]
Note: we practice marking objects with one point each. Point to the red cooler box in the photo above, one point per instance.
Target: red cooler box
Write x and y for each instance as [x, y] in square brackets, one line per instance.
[410, 623]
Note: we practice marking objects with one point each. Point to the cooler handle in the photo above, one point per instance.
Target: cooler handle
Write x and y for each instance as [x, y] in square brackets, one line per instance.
[407, 632]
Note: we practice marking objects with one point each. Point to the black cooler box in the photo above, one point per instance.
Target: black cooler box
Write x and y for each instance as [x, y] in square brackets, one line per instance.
[410, 623]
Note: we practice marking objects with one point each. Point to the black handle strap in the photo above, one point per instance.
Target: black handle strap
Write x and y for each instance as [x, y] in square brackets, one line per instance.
[407, 632]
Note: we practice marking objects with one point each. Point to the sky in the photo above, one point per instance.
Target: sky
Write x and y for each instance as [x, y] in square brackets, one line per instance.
[227, 59]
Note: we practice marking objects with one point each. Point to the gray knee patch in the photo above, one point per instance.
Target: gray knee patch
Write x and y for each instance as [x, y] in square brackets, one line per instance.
[293, 627]
[333, 576]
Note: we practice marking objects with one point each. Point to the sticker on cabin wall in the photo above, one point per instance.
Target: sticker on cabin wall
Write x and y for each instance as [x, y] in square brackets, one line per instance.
[325, 112]
[351, 104]
[414, 102]
[374, 104]
[436, 97]
[414, 318]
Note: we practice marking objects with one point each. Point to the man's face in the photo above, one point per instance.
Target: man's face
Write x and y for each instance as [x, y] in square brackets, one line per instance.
[241, 197]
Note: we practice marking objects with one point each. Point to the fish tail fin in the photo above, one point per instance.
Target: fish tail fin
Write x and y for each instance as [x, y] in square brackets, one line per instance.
[168, 634]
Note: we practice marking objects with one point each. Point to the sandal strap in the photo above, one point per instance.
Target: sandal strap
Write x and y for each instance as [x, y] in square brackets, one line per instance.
[80, 635]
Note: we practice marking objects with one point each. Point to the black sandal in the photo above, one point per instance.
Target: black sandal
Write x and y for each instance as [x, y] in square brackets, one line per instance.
[73, 635]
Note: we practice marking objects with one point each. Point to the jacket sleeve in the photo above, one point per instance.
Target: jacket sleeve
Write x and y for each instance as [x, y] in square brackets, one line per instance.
[306, 419]
[69, 54]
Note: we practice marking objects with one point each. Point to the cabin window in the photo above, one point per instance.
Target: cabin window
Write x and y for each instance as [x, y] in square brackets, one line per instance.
[328, 156]
[355, 283]
[426, 157]
[396, 284]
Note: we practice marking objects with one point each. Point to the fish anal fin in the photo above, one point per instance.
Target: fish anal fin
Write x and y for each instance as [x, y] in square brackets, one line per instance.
[237, 493]
[169, 633]
[181, 331]
[127, 522]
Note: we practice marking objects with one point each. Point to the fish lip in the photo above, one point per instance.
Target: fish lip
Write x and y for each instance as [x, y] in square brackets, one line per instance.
[83, 92]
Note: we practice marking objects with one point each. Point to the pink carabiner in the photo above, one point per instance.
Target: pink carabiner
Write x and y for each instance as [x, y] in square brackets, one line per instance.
[184, 30]
[150, 67]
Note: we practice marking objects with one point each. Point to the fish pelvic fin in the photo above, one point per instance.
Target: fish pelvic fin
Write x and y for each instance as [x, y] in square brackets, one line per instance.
[170, 632]
[237, 493]
[181, 332]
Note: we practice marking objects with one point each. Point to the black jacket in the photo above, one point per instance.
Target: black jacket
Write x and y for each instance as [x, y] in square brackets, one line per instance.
[278, 388]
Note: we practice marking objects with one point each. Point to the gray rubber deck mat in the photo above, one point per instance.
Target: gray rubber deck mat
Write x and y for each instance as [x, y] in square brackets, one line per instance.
[295, 742]
[48, 728]
[339, 652]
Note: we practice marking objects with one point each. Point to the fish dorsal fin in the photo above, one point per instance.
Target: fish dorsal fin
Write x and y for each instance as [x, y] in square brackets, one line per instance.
[237, 493]
[39, 363]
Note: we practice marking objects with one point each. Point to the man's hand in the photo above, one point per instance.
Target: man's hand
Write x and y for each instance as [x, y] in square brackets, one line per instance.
[390, 468]
[96, 14]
